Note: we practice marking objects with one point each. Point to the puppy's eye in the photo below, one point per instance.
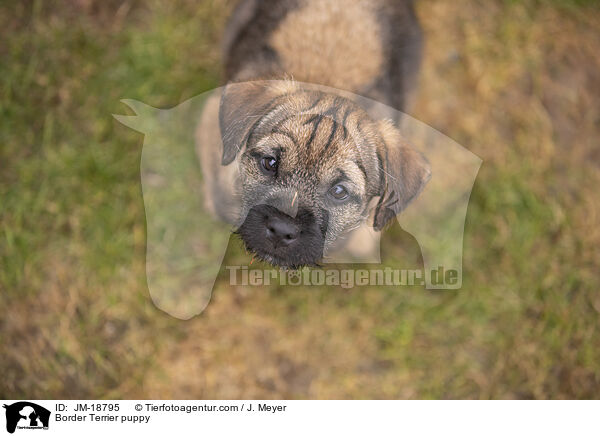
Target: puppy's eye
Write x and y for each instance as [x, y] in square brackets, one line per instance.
[338, 192]
[268, 165]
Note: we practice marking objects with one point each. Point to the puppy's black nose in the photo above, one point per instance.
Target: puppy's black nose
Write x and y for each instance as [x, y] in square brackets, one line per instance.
[282, 230]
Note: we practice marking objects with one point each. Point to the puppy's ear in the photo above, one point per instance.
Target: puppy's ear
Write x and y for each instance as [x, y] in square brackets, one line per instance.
[242, 107]
[405, 174]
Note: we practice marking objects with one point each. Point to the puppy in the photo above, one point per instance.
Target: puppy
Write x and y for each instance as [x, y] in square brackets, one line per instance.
[301, 170]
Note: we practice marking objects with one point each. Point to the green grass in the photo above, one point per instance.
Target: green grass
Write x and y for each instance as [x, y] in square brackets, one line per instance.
[76, 318]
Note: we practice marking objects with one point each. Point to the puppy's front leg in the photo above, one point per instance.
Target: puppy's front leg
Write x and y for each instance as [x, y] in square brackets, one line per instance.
[363, 245]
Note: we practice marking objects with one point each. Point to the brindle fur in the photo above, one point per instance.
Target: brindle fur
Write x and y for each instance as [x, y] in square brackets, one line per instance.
[365, 47]
[369, 47]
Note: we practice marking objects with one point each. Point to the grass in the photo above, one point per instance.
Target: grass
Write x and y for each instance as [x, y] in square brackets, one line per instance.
[517, 83]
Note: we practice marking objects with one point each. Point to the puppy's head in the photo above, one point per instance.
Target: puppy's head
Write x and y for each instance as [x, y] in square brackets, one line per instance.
[310, 164]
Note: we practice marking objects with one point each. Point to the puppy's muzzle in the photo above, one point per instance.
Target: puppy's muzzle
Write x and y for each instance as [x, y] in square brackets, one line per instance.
[281, 239]
[281, 230]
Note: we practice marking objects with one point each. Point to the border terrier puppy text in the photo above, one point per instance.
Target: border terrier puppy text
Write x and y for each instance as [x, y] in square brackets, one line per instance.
[300, 170]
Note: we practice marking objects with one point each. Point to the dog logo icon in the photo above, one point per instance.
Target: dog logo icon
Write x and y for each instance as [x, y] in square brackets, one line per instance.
[194, 204]
[26, 415]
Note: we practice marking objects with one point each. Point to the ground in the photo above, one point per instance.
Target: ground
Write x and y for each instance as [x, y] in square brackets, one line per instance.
[516, 82]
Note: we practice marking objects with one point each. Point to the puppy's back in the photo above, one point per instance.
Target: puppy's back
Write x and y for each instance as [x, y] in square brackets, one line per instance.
[367, 47]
